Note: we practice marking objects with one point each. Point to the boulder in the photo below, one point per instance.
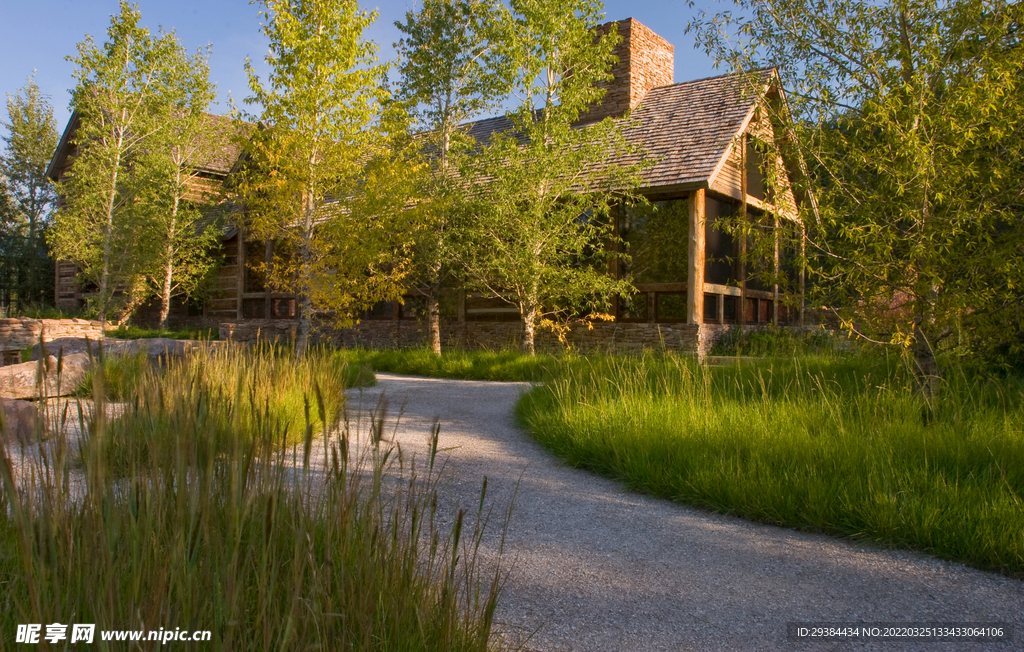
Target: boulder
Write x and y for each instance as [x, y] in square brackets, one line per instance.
[20, 419]
[71, 345]
[19, 381]
[157, 349]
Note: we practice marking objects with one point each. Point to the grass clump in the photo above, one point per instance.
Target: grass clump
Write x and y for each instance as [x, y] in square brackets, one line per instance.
[459, 364]
[832, 444]
[334, 544]
[775, 341]
[139, 333]
[265, 386]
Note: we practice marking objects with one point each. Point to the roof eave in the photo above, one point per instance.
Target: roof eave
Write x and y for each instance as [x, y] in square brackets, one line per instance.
[61, 153]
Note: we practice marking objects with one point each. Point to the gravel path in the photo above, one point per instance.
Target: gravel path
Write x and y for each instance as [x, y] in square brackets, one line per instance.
[597, 567]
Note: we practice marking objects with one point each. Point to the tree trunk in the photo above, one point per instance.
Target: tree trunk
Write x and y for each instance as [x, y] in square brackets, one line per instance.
[434, 317]
[165, 290]
[529, 331]
[926, 368]
[302, 337]
[108, 234]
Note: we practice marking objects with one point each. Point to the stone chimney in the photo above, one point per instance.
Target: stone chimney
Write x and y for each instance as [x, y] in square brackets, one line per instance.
[645, 61]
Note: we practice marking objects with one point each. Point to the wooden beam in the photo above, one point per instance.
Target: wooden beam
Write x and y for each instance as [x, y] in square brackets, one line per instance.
[697, 255]
[775, 263]
[268, 257]
[741, 273]
[803, 271]
[240, 280]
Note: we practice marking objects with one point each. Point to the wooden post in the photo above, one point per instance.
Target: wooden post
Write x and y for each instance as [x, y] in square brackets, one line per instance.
[803, 270]
[695, 289]
[268, 256]
[240, 281]
[775, 270]
[741, 311]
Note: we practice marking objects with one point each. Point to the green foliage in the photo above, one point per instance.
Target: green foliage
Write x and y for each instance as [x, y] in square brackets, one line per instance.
[26, 199]
[275, 388]
[321, 179]
[225, 530]
[909, 116]
[835, 445]
[121, 376]
[508, 366]
[131, 92]
[186, 235]
[779, 342]
[139, 332]
[451, 72]
[542, 227]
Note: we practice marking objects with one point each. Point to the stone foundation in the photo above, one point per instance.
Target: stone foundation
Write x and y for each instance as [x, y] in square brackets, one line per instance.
[619, 337]
[22, 333]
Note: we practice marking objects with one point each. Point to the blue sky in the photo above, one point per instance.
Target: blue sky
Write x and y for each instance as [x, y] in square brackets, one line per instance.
[37, 35]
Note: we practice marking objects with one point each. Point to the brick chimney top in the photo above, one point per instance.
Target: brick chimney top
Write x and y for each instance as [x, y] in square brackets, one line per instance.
[645, 61]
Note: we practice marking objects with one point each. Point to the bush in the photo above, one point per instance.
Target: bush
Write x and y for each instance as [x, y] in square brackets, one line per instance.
[775, 341]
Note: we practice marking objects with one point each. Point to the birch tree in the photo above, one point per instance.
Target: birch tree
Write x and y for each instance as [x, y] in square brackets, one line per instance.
[543, 228]
[186, 235]
[451, 72]
[321, 104]
[122, 102]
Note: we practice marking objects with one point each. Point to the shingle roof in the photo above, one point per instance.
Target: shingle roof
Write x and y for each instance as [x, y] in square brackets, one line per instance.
[223, 149]
[684, 128]
[219, 131]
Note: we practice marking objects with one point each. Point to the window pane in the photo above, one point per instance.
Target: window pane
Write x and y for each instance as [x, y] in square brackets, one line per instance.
[671, 306]
[656, 239]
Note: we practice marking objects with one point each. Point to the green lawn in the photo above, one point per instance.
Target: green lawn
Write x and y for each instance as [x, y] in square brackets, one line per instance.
[459, 364]
[830, 443]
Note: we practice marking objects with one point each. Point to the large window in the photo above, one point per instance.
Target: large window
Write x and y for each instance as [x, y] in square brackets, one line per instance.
[656, 239]
[720, 247]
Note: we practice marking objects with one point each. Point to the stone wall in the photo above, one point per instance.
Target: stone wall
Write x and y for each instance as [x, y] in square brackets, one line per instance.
[618, 337]
[251, 330]
[22, 333]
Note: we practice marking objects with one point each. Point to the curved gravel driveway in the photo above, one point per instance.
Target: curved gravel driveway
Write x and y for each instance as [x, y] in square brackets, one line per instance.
[598, 567]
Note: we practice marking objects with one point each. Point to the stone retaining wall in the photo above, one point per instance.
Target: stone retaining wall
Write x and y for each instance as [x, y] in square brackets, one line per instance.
[21, 333]
[493, 335]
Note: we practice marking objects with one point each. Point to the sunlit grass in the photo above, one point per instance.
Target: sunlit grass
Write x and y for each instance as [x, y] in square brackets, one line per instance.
[189, 510]
[831, 444]
[140, 332]
[459, 363]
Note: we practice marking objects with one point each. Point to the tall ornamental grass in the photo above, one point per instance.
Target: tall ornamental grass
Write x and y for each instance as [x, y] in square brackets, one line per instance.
[841, 445]
[197, 508]
[459, 363]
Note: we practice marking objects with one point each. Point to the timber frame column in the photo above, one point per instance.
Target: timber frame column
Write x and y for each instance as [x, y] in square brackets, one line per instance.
[240, 280]
[741, 310]
[695, 289]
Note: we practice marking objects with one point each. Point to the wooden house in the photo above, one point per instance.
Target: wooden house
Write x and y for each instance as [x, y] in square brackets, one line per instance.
[700, 140]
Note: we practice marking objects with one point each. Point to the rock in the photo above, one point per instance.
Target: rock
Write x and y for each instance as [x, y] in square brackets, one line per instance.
[19, 381]
[157, 349]
[20, 419]
[70, 345]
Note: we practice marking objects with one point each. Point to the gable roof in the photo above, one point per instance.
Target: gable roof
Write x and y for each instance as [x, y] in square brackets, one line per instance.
[220, 155]
[685, 129]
